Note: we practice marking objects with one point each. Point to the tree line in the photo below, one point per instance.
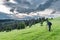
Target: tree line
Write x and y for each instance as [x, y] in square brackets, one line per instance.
[20, 24]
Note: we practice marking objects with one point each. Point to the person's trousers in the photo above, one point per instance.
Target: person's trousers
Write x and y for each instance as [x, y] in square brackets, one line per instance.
[49, 28]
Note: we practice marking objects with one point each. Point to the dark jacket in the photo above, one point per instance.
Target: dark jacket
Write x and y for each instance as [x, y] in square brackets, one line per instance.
[49, 23]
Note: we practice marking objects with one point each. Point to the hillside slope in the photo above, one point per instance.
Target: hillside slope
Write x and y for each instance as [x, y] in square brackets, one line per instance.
[36, 32]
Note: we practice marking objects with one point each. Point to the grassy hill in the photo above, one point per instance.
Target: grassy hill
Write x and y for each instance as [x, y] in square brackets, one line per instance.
[36, 32]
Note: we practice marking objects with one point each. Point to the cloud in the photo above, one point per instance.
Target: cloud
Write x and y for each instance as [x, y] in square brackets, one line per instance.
[31, 5]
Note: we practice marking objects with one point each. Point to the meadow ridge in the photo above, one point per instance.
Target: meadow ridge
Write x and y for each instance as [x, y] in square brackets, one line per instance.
[36, 32]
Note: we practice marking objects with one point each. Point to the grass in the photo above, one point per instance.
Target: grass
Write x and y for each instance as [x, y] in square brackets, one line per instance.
[36, 32]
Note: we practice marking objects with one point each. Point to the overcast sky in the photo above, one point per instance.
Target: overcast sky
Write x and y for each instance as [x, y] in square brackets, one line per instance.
[34, 3]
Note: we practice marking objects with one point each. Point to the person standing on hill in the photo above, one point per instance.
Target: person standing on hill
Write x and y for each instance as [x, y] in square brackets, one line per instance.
[49, 25]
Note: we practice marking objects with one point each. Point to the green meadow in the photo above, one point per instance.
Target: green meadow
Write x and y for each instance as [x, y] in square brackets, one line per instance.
[36, 32]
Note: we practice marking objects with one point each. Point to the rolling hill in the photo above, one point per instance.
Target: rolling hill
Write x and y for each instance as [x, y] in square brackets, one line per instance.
[36, 32]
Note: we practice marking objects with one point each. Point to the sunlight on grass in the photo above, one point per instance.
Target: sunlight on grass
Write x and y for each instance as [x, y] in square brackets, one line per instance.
[36, 32]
